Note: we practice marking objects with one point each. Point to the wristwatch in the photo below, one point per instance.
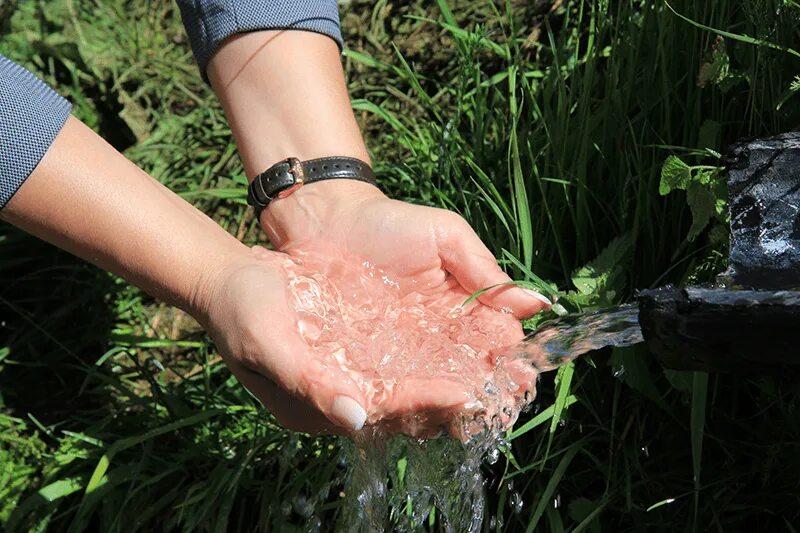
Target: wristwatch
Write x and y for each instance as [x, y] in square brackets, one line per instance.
[282, 179]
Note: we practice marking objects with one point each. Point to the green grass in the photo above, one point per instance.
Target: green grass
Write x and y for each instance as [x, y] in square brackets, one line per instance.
[547, 131]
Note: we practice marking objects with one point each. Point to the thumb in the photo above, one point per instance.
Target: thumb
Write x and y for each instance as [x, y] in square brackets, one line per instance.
[472, 264]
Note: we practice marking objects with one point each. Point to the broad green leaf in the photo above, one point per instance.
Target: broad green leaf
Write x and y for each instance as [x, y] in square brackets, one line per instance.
[675, 174]
[61, 488]
[603, 277]
[716, 68]
[703, 204]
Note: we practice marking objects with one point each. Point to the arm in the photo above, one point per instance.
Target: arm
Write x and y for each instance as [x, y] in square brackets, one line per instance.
[85, 197]
[63, 183]
[284, 94]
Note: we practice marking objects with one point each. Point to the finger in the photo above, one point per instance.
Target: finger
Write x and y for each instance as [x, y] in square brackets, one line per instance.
[335, 394]
[313, 377]
[421, 408]
[415, 395]
[465, 257]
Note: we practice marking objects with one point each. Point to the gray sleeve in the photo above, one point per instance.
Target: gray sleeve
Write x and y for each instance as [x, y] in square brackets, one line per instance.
[31, 115]
[209, 22]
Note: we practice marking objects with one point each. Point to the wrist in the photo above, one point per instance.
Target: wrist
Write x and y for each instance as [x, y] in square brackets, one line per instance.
[313, 208]
[206, 287]
[284, 95]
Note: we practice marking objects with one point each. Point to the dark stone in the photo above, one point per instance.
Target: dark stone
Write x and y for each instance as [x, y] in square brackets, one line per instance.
[721, 330]
[764, 198]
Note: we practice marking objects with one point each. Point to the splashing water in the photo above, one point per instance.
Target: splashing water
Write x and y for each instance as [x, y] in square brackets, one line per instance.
[416, 356]
[566, 338]
[399, 483]
[426, 364]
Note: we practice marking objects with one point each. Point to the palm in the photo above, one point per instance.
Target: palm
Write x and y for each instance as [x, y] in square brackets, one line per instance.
[424, 250]
[255, 329]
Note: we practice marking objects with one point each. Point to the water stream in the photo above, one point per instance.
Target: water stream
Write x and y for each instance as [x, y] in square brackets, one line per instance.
[568, 337]
[397, 482]
[427, 366]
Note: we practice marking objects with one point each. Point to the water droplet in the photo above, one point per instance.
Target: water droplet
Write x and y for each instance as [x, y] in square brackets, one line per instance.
[493, 456]
[557, 501]
[303, 506]
[516, 503]
[619, 372]
[286, 508]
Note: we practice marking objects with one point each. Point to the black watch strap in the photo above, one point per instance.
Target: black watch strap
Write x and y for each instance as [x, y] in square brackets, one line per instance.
[285, 177]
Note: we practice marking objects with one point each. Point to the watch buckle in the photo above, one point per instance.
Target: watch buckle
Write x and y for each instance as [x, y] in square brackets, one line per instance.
[298, 176]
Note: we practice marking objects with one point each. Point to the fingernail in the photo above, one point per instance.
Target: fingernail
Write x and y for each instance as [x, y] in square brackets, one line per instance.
[348, 413]
[544, 299]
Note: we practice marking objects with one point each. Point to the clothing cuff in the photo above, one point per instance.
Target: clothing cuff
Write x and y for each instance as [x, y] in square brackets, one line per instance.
[31, 115]
[209, 22]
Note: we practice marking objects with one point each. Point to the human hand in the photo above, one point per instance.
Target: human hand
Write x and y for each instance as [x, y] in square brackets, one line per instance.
[246, 309]
[424, 250]
[254, 313]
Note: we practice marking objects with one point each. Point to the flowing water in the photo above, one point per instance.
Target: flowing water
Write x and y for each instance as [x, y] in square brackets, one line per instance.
[568, 337]
[425, 365]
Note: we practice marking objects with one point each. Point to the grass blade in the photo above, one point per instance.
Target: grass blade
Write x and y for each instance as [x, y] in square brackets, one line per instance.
[540, 419]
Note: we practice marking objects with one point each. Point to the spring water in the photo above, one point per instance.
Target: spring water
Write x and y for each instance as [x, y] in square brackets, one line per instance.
[426, 364]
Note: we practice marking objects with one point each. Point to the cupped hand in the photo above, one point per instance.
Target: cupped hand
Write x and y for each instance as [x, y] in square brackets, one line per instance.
[424, 250]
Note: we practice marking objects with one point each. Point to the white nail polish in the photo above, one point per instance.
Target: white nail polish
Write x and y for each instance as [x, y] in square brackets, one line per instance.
[348, 412]
[540, 297]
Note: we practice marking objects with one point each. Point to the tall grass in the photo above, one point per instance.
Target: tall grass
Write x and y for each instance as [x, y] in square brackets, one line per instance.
[546, 126]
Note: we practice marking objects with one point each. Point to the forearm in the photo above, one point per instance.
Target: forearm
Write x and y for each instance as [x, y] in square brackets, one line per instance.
[284, 94]
[88, 199]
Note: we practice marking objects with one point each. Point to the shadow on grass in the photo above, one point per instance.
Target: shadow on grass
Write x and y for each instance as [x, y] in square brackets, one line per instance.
[55, 321]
